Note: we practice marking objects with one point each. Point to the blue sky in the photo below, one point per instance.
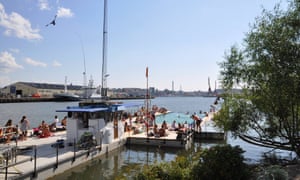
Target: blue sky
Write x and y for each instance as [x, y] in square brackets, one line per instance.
[179, 40]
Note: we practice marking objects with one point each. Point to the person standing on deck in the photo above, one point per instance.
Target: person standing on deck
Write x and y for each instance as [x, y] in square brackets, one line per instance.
[24, 126]
[198, 122]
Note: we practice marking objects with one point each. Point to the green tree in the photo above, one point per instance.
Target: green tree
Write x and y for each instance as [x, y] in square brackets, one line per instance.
[221, 162]
[267, 69]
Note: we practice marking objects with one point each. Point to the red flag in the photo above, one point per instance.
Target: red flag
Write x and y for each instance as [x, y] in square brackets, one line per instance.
[146, 71]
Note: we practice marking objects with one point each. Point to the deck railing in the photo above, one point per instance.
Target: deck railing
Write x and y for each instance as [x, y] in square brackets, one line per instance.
[9, 157]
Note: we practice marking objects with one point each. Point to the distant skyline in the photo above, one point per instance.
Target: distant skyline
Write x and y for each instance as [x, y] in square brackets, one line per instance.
[181, 42]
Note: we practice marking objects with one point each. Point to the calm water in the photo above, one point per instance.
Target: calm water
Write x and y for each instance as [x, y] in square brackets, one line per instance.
[126, 161]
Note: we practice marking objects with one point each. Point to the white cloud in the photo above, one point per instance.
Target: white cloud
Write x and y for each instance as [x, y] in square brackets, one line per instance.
[16, 25]
[14, 50]
[64, 12]
[34, 62]
[4, 81]
[57, 64]
[43, 5]
[8, 63]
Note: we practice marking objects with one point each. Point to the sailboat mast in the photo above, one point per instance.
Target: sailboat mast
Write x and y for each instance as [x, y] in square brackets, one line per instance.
[84, 70]
[147, 101]
[209, 89]
[66, 84]
[104, 54]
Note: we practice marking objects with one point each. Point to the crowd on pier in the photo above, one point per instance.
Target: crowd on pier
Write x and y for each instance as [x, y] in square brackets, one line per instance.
[20, 130]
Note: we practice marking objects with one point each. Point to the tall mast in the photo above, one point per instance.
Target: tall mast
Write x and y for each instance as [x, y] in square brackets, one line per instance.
[66, 84]
[84, 70]
[215, 87]
[147, 101]
[209, 89]
[104, 55]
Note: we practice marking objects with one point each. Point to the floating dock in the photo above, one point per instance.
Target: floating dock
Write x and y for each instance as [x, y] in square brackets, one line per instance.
[218, 136]
[42, 158]
[171, 140]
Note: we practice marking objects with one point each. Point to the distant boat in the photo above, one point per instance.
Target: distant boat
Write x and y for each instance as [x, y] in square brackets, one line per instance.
[90, 92]
[66, 96]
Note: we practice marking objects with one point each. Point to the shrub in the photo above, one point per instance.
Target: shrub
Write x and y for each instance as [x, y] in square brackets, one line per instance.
[273, 172]
[178, 169]
[221, 162]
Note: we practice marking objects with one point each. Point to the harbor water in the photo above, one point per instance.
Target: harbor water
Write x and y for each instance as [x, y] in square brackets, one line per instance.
[126, 161]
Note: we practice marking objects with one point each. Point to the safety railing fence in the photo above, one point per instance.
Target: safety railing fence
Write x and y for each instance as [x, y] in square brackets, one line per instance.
[9, 155]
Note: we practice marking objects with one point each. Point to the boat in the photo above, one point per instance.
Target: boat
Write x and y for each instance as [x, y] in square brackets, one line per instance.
[66, 96]
[89, 91]
[96, 120]
[100, 120]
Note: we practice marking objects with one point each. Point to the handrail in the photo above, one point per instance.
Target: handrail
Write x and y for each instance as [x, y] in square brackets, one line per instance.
[34, 171]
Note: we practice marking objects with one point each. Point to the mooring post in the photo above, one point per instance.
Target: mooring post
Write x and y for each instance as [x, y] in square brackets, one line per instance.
[6, 165]
[35, 157]
[74, 157]
[56, 164]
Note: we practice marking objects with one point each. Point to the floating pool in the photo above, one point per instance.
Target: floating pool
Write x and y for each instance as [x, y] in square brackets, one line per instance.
[178, 117]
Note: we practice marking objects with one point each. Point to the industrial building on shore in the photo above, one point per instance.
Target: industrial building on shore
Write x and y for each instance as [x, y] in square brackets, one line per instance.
[31, 89]
[46, 90]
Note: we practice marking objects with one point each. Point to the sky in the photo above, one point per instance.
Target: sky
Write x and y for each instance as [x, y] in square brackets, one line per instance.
[180, 41]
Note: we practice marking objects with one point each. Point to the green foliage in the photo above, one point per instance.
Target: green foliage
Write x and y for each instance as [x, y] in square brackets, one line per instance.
[273, 173]
[221, 162]
[267, 68]
[178, 169]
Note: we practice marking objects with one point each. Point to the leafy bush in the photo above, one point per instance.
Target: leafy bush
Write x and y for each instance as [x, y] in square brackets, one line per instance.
[221, 162]
[178, 169]
[273, 172]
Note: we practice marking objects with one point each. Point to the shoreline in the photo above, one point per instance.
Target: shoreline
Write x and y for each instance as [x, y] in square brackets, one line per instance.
[47, 99]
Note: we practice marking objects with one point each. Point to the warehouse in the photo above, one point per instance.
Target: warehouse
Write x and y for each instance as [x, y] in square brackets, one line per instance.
[29, 89]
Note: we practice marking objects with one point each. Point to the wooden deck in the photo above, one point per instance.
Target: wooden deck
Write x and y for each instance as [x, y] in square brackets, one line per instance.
[208, 132]
[172, 139]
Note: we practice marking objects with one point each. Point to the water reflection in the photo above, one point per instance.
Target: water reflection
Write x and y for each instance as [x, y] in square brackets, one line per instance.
[126, 161]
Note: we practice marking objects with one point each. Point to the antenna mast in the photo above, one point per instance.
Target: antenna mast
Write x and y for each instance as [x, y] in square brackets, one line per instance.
[84, 70]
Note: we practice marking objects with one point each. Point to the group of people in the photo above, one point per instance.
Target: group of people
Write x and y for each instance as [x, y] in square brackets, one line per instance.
[10, 131]
[20, 131]
[183, 127]
[161, 131]
[44, 129]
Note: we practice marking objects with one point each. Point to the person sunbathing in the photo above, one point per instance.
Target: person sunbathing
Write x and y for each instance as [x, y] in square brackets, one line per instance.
[162, 132]
[45, 131]
[10, 130]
